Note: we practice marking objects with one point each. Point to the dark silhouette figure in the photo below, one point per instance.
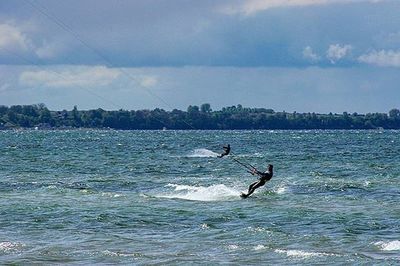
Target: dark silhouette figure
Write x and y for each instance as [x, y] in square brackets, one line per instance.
[227, 150]
[264, 177]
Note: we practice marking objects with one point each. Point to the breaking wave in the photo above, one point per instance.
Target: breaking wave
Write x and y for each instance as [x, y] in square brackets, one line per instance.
[389, 245]
[302, 254]
[203, 153]
[200, 193]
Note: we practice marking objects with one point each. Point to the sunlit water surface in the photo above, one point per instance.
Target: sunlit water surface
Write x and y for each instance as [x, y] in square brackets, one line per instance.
[163, 197]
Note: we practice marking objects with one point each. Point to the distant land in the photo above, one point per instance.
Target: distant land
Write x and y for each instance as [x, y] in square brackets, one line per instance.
[202, 117]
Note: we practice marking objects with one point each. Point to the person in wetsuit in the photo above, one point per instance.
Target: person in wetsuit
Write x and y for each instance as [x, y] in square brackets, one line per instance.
[264, 177]
[227, 150]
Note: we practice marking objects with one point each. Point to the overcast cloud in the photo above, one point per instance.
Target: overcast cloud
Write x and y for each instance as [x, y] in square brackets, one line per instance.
[293, 55]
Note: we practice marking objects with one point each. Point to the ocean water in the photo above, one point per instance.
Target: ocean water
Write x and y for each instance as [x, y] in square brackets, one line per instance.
[163, 198]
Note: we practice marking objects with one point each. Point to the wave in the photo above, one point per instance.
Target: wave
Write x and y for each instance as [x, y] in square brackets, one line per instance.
[302, 254]
[119, 254]
[111, 195]
[260, 247]
[203, 153]
[233, 247]
[282, 189]
[10, 246]
[199, 193]
[388, 246]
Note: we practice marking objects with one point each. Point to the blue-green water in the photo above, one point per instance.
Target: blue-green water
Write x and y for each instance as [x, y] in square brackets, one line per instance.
[163, 198]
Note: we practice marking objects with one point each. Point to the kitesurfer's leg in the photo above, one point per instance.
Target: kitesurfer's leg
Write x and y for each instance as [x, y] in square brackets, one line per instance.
[252, 187]
[222, 155]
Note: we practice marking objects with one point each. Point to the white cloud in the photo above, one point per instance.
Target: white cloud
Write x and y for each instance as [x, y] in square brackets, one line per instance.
[382, 58]
[148, 81]
[16, 38]
[309, 54]
[12, 37]
[79, 76]
[250, 7]
[336, 52]
[47, 50]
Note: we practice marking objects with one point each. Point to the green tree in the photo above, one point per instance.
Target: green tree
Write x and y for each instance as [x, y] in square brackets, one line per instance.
[205, 108]
[45, 116]
[193, 109]
[394, 113]
[76, 117]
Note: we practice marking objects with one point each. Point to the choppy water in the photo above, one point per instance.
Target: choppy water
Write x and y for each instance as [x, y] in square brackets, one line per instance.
[162, 197]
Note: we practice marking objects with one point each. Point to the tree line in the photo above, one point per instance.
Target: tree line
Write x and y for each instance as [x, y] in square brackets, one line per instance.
[195, 117]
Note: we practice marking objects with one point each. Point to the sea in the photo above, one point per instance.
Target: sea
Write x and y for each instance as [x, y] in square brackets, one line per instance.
[84, 197]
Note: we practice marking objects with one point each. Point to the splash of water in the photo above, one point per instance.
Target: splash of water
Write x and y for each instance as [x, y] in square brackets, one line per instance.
[218, 192]
[302, 254]
[203, 153]
[389, 246]
[281, 189]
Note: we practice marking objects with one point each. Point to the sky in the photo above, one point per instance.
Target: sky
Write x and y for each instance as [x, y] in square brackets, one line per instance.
[288, 55]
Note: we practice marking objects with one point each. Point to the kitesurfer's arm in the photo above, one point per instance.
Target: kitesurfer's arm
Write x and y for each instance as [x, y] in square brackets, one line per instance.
[256, 172]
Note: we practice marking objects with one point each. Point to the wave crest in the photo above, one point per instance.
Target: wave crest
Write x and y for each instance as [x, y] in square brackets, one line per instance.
[203, 153]
[388, 246]
[302, 254]
[199, 193]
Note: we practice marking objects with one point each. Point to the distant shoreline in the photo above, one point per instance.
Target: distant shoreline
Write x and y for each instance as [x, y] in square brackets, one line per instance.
[194, 118]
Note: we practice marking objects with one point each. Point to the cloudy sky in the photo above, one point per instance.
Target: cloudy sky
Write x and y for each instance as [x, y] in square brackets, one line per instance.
[293, 55]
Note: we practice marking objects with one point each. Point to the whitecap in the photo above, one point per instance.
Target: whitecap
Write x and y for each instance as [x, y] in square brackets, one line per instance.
[389, 245]
[111, 195]
[256, 229]
[200, 193]
[302, 254]
[119, 254]
[181, 187]
[281, 190]
[9, 246]
[205, 226]
[367, 183]
[259, 247]
[233, 247]
[203, 153]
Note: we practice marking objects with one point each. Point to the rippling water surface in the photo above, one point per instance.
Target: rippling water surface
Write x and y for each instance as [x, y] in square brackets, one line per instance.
[162, 197]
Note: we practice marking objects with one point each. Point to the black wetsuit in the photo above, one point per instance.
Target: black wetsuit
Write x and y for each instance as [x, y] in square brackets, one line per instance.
[227, 149]
[264, 177]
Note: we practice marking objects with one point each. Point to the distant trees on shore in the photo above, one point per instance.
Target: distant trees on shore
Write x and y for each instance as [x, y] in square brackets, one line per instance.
[195, 117]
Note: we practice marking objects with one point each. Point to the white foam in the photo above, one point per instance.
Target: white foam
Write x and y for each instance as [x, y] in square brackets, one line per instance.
[233, 247]
[367, 183]
[203, 153]
[118, 254]
[259, 247]
[388, 246]
[111, 195]
[281, 190]
[181, 187]
[256, 229]
[9, 246]
[205, 226]
[301, 253]
[200, 193]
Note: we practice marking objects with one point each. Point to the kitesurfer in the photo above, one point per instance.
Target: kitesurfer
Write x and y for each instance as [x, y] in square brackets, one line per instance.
[227, 150]
[264, 177]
